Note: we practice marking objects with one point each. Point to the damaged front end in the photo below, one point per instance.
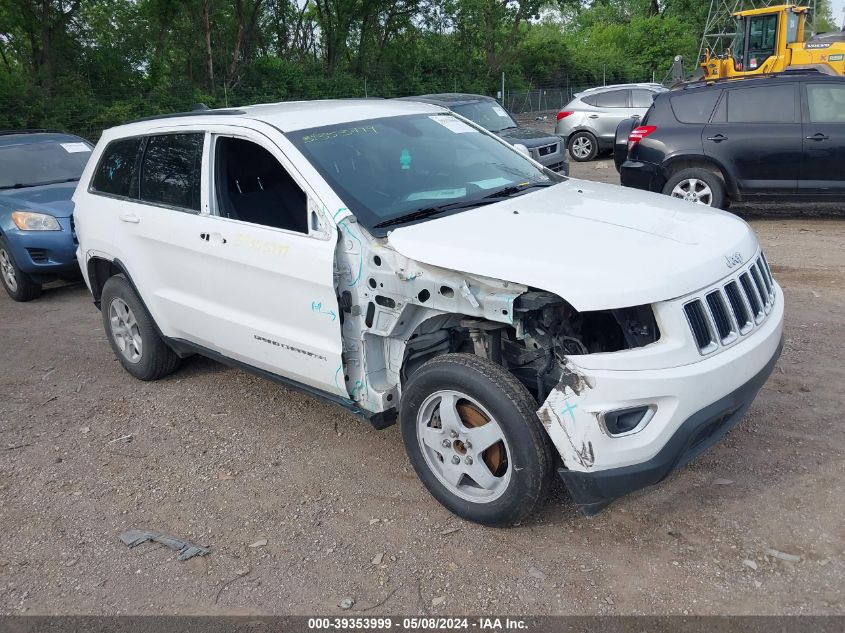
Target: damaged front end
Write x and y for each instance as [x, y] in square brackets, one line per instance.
[549, 331]
[397, 313]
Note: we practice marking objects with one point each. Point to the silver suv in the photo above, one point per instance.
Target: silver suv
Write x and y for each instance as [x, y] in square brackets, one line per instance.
[588, 122]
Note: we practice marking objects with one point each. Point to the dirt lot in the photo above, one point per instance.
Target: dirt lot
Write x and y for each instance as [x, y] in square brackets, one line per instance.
[229, 460]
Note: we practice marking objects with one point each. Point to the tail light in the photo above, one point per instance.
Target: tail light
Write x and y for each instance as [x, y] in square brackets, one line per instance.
[563, 114]
[639, 133]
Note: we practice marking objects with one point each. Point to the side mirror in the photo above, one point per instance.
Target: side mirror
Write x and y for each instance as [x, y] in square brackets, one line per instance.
[522, 149]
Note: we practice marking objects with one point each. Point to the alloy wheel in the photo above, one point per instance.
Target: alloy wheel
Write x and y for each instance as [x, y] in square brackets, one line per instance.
[694, 190]
[463, 446]
[124, 330]
[582, 146]
[8, 270]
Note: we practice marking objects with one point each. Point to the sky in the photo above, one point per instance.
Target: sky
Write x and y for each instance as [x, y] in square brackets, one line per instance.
[836, 7]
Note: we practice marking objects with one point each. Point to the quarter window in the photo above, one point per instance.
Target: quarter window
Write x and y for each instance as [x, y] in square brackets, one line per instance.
[641, 98]
[694, 106]
[116, 173]
[764, 104]
[170, 170]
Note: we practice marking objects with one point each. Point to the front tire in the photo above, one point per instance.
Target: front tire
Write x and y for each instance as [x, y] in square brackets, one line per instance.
[132, 334]
[18, 285]
[474, 439]
[583, 147]
[697, 185]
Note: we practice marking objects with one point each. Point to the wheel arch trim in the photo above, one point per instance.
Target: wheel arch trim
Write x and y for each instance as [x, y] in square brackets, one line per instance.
[691, 160]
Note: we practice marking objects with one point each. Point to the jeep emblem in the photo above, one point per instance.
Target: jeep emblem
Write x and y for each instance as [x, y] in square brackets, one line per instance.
[733, 260]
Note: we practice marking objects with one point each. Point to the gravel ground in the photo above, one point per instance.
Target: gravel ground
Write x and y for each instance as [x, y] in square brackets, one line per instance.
[303, 505]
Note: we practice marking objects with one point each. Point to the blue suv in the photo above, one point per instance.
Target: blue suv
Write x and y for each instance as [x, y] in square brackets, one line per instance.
[39, 170]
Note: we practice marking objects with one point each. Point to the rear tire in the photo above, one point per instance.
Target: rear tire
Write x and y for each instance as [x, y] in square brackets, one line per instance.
[583, 147]
[132, 334]
[506, 475]
[697, 185]
[18, 285]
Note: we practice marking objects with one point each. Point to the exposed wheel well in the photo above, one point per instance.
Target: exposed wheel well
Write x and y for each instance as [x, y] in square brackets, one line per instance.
[533, 347]
[99, 270]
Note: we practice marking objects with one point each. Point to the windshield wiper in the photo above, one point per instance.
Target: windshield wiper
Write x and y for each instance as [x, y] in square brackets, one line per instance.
[432, 211]
[20, 185]
[428, 212]
[509, 191]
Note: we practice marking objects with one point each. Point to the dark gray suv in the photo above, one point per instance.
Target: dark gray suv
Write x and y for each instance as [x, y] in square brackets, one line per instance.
[547, 149]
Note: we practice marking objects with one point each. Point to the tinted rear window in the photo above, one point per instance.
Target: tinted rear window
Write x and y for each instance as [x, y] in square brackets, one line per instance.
[694, 107]
[763, 104]
[117, 169]
[170, 171]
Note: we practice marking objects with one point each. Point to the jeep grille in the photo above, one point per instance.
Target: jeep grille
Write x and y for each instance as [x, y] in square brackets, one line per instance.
[732, 309]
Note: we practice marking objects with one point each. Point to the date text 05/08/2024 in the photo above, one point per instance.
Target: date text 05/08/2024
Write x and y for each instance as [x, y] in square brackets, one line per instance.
[417, 623]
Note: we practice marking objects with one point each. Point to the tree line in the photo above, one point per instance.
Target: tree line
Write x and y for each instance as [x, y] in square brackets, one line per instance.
[83, 65]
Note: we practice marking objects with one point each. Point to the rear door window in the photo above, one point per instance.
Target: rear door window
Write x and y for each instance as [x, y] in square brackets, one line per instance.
[116, 174]
[612, 99]
[762, 104]
[694, 107]
[170, 170]
[827, 102]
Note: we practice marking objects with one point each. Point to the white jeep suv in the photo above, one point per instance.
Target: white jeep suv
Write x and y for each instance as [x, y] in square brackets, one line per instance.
[399, 260]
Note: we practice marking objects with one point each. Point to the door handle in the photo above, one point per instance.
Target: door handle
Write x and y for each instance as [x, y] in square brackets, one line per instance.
[594, 116]
[818, 136]
[131, 218]
[718, 138]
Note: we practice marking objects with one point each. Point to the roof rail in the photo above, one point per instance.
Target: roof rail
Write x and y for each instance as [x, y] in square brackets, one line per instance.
[32, 131]
[173, 115]
[789, 72]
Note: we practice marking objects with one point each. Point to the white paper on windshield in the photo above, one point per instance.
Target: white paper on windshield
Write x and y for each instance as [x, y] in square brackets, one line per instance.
[75, 148]
[499, 110]
[490, 183]
[451, 123]
[440, 194]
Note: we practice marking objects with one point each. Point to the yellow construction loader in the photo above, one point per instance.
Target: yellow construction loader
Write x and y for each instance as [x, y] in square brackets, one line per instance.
[772, 40]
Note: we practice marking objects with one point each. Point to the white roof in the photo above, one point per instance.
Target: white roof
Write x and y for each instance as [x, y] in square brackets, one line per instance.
[291, 115]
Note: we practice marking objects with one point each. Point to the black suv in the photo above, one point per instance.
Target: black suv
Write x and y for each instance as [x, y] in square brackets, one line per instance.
[775, 137]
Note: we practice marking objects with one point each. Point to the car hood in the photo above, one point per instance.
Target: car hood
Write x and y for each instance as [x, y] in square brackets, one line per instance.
[53, 199]
[527, 136]
[598, 246]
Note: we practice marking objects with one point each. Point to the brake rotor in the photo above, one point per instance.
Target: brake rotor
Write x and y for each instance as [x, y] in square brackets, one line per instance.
[495, 456]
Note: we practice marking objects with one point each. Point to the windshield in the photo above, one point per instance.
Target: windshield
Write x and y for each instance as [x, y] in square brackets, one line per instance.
[30, 163]
[738, 44]
[488, 114]
[387, 169]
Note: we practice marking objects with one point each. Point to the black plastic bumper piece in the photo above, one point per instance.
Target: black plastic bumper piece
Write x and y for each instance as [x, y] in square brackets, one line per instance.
[592, 492]
[640, 175]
